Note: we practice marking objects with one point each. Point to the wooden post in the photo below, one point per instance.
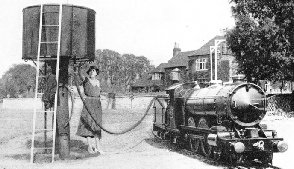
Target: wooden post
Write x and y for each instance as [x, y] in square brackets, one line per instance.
[63, 133]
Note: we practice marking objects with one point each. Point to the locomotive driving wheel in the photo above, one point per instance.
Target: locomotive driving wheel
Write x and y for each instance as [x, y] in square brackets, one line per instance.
[234, 158]
[217, 153]
[194, 145]
[206, 148]
[193, 142]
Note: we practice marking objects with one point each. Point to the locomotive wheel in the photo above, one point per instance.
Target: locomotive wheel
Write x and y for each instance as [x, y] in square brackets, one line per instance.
[206, 148]
[234, 158]
[162, 135]
[217, 153]
[159, 134]
[194, 145]
[265, 158]
[165, 135]
[268, 159]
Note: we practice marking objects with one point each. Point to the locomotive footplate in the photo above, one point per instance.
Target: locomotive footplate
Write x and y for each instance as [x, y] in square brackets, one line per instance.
[195, 137]
[196, 129]
[173, 130]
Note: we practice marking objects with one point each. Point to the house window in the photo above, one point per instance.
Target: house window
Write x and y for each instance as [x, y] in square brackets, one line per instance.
[156, 76]
[175, 74]
[201, 64]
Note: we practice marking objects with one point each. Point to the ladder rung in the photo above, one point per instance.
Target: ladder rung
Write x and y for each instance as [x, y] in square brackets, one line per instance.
[50, 42]
[44, 58]
[44, 129]
[44, 111]
[51, 12]
[42, 148]
[47, 59]
[50, 25]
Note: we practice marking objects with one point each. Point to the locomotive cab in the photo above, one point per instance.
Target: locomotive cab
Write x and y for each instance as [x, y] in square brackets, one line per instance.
[175, 113]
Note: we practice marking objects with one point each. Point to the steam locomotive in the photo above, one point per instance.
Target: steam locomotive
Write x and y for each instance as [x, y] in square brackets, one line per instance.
[221, 122]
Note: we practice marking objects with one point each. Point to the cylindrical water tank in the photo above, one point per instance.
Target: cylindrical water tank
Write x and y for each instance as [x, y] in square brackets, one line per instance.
[77, 32]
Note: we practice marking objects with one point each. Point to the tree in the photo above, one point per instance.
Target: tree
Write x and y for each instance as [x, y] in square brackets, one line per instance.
[18, 80]
[119, 71]
[263, 39]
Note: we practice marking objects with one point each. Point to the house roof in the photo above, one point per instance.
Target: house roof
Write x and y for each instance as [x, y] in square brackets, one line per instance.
[205, 49]
[159, 68]
[181, 59]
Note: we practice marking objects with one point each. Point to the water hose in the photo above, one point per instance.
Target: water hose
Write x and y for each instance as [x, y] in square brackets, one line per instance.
[108, 131]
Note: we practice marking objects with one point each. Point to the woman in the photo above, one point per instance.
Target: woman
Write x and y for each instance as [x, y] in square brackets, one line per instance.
[87, 126]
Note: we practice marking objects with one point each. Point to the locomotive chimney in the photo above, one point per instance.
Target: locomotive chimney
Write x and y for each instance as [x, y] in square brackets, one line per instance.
[240, 78]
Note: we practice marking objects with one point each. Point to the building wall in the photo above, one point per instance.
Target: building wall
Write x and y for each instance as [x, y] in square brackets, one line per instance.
[226, 68]
[201, 75]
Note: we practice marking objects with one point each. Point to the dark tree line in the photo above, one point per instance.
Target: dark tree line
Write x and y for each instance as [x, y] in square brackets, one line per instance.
[117, 73]
[20, 79]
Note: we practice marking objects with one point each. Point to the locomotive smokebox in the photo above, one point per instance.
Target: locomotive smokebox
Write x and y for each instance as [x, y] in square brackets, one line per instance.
[77, 32]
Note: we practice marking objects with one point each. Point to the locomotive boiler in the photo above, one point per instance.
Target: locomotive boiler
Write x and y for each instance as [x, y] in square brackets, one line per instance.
[220, 121]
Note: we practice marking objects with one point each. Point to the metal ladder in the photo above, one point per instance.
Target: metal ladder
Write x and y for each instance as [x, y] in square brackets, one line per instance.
[38, 82]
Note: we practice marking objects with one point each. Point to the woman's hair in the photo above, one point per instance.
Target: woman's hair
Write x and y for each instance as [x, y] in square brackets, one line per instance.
[91, 68]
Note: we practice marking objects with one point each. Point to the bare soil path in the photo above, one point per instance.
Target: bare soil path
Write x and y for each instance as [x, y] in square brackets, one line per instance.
[134, 150]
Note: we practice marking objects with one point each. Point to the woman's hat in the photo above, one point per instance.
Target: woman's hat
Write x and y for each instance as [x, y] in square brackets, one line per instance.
[91, 68]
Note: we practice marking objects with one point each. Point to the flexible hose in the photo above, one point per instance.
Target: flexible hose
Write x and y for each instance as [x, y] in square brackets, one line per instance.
[108, 131]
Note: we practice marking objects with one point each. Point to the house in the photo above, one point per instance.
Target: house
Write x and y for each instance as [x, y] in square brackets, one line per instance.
[201, 65]
[176, 68]
[190, 66]
[152, 83]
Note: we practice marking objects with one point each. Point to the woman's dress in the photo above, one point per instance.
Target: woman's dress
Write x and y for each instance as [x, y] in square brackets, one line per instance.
[87, 126]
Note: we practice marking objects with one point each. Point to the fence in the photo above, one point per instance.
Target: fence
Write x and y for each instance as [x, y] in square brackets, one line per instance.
[121, 102]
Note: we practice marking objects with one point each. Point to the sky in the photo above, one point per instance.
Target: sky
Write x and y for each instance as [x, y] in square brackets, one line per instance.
[147, 28]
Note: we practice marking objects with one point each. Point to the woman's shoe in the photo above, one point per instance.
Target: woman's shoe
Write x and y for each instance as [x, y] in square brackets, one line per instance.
[97, 151]
[90, 150]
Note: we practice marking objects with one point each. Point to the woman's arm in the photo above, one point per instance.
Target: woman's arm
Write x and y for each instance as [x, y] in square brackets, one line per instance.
[101, 92]
[82, 77]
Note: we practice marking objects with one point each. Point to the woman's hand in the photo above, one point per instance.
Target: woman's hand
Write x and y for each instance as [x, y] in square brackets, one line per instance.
[71, 89]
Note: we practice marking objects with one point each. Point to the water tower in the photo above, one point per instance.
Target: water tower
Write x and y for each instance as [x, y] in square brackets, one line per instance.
[55, 35]
[77, 32]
